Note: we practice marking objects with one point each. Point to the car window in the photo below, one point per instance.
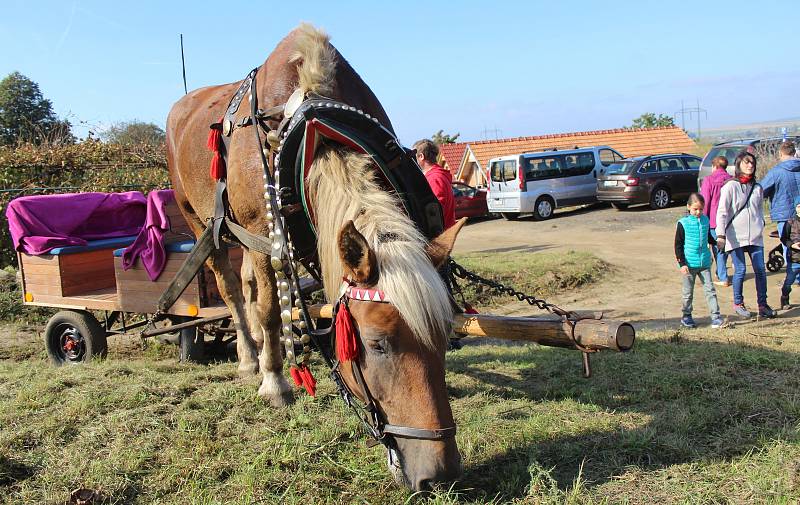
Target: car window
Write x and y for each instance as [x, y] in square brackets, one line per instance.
[670, 165]
[457, 191]
[502, 171]
[544, 168]
[692, 163]
[648, 167]
[620, 168]
[608, 156]
[578, 164]
[730, 153]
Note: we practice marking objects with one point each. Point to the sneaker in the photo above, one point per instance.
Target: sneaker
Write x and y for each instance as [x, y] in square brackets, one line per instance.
[688, 322]
[717, 322]
[766, 311]
[724, 284]
[741, 310]
[785, 302]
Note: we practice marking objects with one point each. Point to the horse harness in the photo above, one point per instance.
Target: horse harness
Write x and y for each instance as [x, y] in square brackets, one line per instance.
[289, 150]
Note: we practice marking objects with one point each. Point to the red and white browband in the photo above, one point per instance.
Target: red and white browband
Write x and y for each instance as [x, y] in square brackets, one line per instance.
[363, 294]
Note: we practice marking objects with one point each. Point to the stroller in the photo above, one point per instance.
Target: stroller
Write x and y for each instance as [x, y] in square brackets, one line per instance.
[775, 259]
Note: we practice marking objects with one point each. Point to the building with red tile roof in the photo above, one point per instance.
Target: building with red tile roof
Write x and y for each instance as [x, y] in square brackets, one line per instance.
[629, 142]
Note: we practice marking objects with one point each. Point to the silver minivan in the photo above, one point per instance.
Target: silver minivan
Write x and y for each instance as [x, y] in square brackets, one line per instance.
[541, 182]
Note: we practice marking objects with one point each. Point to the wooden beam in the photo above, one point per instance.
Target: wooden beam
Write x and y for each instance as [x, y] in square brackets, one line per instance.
[594, 334]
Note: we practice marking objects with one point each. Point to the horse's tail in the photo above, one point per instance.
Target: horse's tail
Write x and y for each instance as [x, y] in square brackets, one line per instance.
[317, 60]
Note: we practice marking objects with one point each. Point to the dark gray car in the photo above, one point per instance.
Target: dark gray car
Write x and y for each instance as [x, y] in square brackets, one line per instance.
[654, 180]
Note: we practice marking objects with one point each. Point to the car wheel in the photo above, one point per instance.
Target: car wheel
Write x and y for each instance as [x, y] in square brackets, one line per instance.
[619, 206]
[543, 209]
[73, 336]
[659, 198]
[510, 216]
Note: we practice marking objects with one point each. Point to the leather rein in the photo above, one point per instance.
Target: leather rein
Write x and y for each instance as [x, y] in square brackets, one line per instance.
[369, 414]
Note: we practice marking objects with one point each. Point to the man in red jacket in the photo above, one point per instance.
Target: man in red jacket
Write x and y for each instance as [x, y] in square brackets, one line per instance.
[439, 179]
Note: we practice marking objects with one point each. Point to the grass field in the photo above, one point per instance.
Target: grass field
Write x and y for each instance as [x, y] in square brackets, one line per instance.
[702, 416]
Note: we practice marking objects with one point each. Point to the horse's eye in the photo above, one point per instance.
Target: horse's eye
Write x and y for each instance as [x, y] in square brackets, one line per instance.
[377, 345]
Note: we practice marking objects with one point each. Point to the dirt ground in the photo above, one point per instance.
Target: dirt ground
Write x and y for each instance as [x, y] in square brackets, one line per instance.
[644, 285]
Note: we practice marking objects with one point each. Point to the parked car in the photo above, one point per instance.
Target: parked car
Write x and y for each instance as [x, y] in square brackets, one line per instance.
[470, 202]
[732, 148]
[655, 180]
[541, 182]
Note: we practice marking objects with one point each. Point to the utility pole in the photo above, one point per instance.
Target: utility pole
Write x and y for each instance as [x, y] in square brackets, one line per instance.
[692, 110]
[486, 131]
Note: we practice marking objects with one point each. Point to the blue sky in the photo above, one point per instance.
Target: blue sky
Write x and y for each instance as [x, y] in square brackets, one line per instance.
[522, 68]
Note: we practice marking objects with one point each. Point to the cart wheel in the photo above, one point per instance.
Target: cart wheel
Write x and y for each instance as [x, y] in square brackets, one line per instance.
[780, 261]
[192, 345]
[73, 336]
[773, 265]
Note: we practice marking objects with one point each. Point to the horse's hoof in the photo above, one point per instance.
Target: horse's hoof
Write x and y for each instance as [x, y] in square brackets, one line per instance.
[248, 369]
[282, 399]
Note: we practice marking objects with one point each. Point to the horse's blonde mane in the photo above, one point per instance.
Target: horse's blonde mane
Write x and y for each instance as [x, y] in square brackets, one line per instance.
[317, 60]
[342, 187]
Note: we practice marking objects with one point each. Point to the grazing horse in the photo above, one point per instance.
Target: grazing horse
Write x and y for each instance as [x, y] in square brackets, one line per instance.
[362, 234]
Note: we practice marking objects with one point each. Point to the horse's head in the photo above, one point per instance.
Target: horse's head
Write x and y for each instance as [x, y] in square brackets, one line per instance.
[403, 373]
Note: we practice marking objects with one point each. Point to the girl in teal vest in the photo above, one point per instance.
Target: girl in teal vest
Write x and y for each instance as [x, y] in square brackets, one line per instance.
[692, 238]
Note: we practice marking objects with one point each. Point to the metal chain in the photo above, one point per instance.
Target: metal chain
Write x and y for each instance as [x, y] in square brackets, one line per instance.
[462, 273]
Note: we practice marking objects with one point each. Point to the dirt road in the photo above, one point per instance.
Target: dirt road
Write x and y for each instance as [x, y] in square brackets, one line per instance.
[644, 285]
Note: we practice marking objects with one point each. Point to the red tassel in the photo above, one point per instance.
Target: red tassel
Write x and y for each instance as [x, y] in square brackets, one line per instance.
[217, 167]
[346, 347]
[469, 309]
[296, 376]
[214, 138]
[309, 382]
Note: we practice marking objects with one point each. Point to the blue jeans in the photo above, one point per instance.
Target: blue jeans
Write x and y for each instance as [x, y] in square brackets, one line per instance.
[789, 266]
[721, 258]
[756, 254]
[792, 274]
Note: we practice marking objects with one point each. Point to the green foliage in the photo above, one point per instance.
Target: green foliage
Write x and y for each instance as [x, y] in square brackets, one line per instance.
[91, 165]
[11, 307]
[135, 132]
[26, 116]
[440, 138]
[650, 120]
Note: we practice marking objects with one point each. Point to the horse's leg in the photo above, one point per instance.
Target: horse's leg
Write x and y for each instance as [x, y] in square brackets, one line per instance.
[250, 291]
[274, 386]
[230, 288]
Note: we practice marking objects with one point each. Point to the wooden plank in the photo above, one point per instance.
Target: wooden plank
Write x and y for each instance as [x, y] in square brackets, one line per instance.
[104, 299]
[147, 286]
[44, 259]
[51, 270]
[35, 290]
[80, 258]
[41, 279]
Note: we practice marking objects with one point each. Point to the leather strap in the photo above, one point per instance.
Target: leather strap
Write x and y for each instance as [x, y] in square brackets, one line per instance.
[197, 256]
[247, 239]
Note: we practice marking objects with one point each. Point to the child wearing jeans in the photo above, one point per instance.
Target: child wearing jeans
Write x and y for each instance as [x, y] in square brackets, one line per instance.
[692, 238]
[791, 239]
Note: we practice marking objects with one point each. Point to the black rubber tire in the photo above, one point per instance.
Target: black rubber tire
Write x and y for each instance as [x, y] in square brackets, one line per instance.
[79, 330]
[539, 214]
[192, 345]
[660, 198]
[510, 216]
[619, 206]
[780, 261]
[773, 265]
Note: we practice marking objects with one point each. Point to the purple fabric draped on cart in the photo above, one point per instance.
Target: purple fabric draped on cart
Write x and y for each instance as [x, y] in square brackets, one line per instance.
[41, 223]
[149, 244]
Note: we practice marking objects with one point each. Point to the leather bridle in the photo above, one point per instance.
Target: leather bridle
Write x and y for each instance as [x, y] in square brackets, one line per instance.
[370, 415]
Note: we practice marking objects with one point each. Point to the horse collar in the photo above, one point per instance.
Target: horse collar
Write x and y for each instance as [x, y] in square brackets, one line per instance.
[353, 292]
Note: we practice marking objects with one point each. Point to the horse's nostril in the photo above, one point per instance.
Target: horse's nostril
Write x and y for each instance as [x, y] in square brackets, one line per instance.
[424, 485]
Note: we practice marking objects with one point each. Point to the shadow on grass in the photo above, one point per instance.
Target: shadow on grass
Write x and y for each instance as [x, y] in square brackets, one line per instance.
[703, 402]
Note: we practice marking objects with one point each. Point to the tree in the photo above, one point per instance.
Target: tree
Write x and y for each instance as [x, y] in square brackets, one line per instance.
[26, 116]
[134, 132]
[650, 120]
[440, 138]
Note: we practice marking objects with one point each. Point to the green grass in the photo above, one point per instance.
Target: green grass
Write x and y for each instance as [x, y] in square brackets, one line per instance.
[536, 273]
[697, 417]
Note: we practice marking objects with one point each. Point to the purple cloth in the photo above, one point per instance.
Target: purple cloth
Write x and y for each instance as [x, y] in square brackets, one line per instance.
[41, 223]
[149, 244]
[710, 189]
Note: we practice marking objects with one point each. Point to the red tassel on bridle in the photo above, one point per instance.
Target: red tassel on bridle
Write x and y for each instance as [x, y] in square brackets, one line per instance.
[301, 375]
[217, 162]
[346, 345]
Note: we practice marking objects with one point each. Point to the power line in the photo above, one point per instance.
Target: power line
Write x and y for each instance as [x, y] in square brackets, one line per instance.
[183, 65]
[692, 110]
[486, 131]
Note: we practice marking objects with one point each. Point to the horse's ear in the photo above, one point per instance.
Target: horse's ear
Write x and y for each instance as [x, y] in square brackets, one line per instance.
[439, 248]
[358, 259]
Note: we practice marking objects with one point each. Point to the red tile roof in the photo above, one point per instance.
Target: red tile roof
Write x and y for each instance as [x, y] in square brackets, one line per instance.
[452, 154]
[629, 142]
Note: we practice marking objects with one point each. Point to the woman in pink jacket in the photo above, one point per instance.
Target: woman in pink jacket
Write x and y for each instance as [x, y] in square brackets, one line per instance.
[710, 189]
